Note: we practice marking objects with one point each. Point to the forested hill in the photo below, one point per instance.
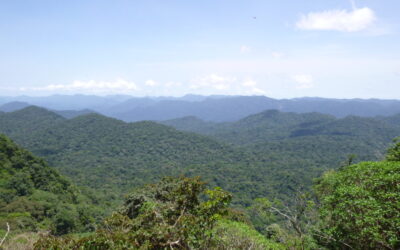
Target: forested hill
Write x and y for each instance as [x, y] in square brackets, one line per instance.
[298, 147]
[23, 122]
[272, 125]
[264, 126]
[34, 196]
[267, 154]
[13, 106]
[73, 113]
[393, 120]
[111, 155]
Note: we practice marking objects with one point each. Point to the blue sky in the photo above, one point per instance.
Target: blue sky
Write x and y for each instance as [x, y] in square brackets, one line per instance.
[281, 49]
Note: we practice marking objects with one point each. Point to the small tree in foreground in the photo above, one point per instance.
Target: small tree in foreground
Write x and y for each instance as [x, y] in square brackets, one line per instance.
[298, 217]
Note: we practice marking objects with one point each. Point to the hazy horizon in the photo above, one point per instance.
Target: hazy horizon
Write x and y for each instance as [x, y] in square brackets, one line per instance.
[191, 94]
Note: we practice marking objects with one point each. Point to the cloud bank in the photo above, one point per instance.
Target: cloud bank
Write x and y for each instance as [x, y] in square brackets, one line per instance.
[338, 20]
[227, 85]
[91, 86]
[117, 85]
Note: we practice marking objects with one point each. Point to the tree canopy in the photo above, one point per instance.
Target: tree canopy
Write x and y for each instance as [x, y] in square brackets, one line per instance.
[175, 213]
[33, 196]
[360, 206]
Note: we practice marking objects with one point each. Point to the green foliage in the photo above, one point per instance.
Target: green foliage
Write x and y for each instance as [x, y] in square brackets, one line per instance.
[169, 214]
[273, 152]
[290, 150]
[269, 154]
[393, 153]
[360, 206]
[237, 235]
[19, 241]
[113, 157]
[298, 217]
[35, 197]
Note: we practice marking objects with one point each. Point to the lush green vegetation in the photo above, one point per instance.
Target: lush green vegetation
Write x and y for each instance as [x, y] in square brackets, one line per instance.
[356, 207]
[360, 206]
[293, 149]
[394, 151]
[176, 213]
[109, 154]
[113, 156]
[268, 154]
[272, 125]
[272, 155]
[35, 197]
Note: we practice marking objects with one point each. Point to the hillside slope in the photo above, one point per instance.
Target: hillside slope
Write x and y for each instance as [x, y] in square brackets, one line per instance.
[271, 125]
[295, 148]
[267, 154]
[114, 156]
[34, 196]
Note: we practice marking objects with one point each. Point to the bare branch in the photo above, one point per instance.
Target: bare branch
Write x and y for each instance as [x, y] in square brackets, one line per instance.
[180, 216]
[5, 236]
[292, 219]
[323, 235]
[172, 243]
[279, 212]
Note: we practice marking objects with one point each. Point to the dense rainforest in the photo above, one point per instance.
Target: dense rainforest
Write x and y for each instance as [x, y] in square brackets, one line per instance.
[35, 197]
[270, 153]
[264, 166]
[355, 207]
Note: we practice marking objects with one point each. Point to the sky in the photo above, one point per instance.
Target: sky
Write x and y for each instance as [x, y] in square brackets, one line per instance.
[280, 49]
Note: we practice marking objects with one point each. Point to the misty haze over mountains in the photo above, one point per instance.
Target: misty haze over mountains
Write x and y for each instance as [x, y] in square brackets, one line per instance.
[209, 108]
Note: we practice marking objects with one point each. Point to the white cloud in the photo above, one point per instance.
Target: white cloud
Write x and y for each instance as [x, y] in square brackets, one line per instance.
[339, 20]
[244, 49]
[304, 81]
[91, 86]
[151, 83]
[231, 85]
[215, 81]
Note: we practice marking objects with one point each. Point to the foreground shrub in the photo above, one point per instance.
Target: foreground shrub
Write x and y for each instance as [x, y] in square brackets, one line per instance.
[360, 206]
[168, 214]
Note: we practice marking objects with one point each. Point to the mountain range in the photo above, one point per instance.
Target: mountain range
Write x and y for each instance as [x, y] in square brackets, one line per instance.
[208, 108]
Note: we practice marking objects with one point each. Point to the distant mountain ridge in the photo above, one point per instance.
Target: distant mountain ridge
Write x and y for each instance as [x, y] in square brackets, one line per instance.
[13, 106]
[208, 108]
[276, 125]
